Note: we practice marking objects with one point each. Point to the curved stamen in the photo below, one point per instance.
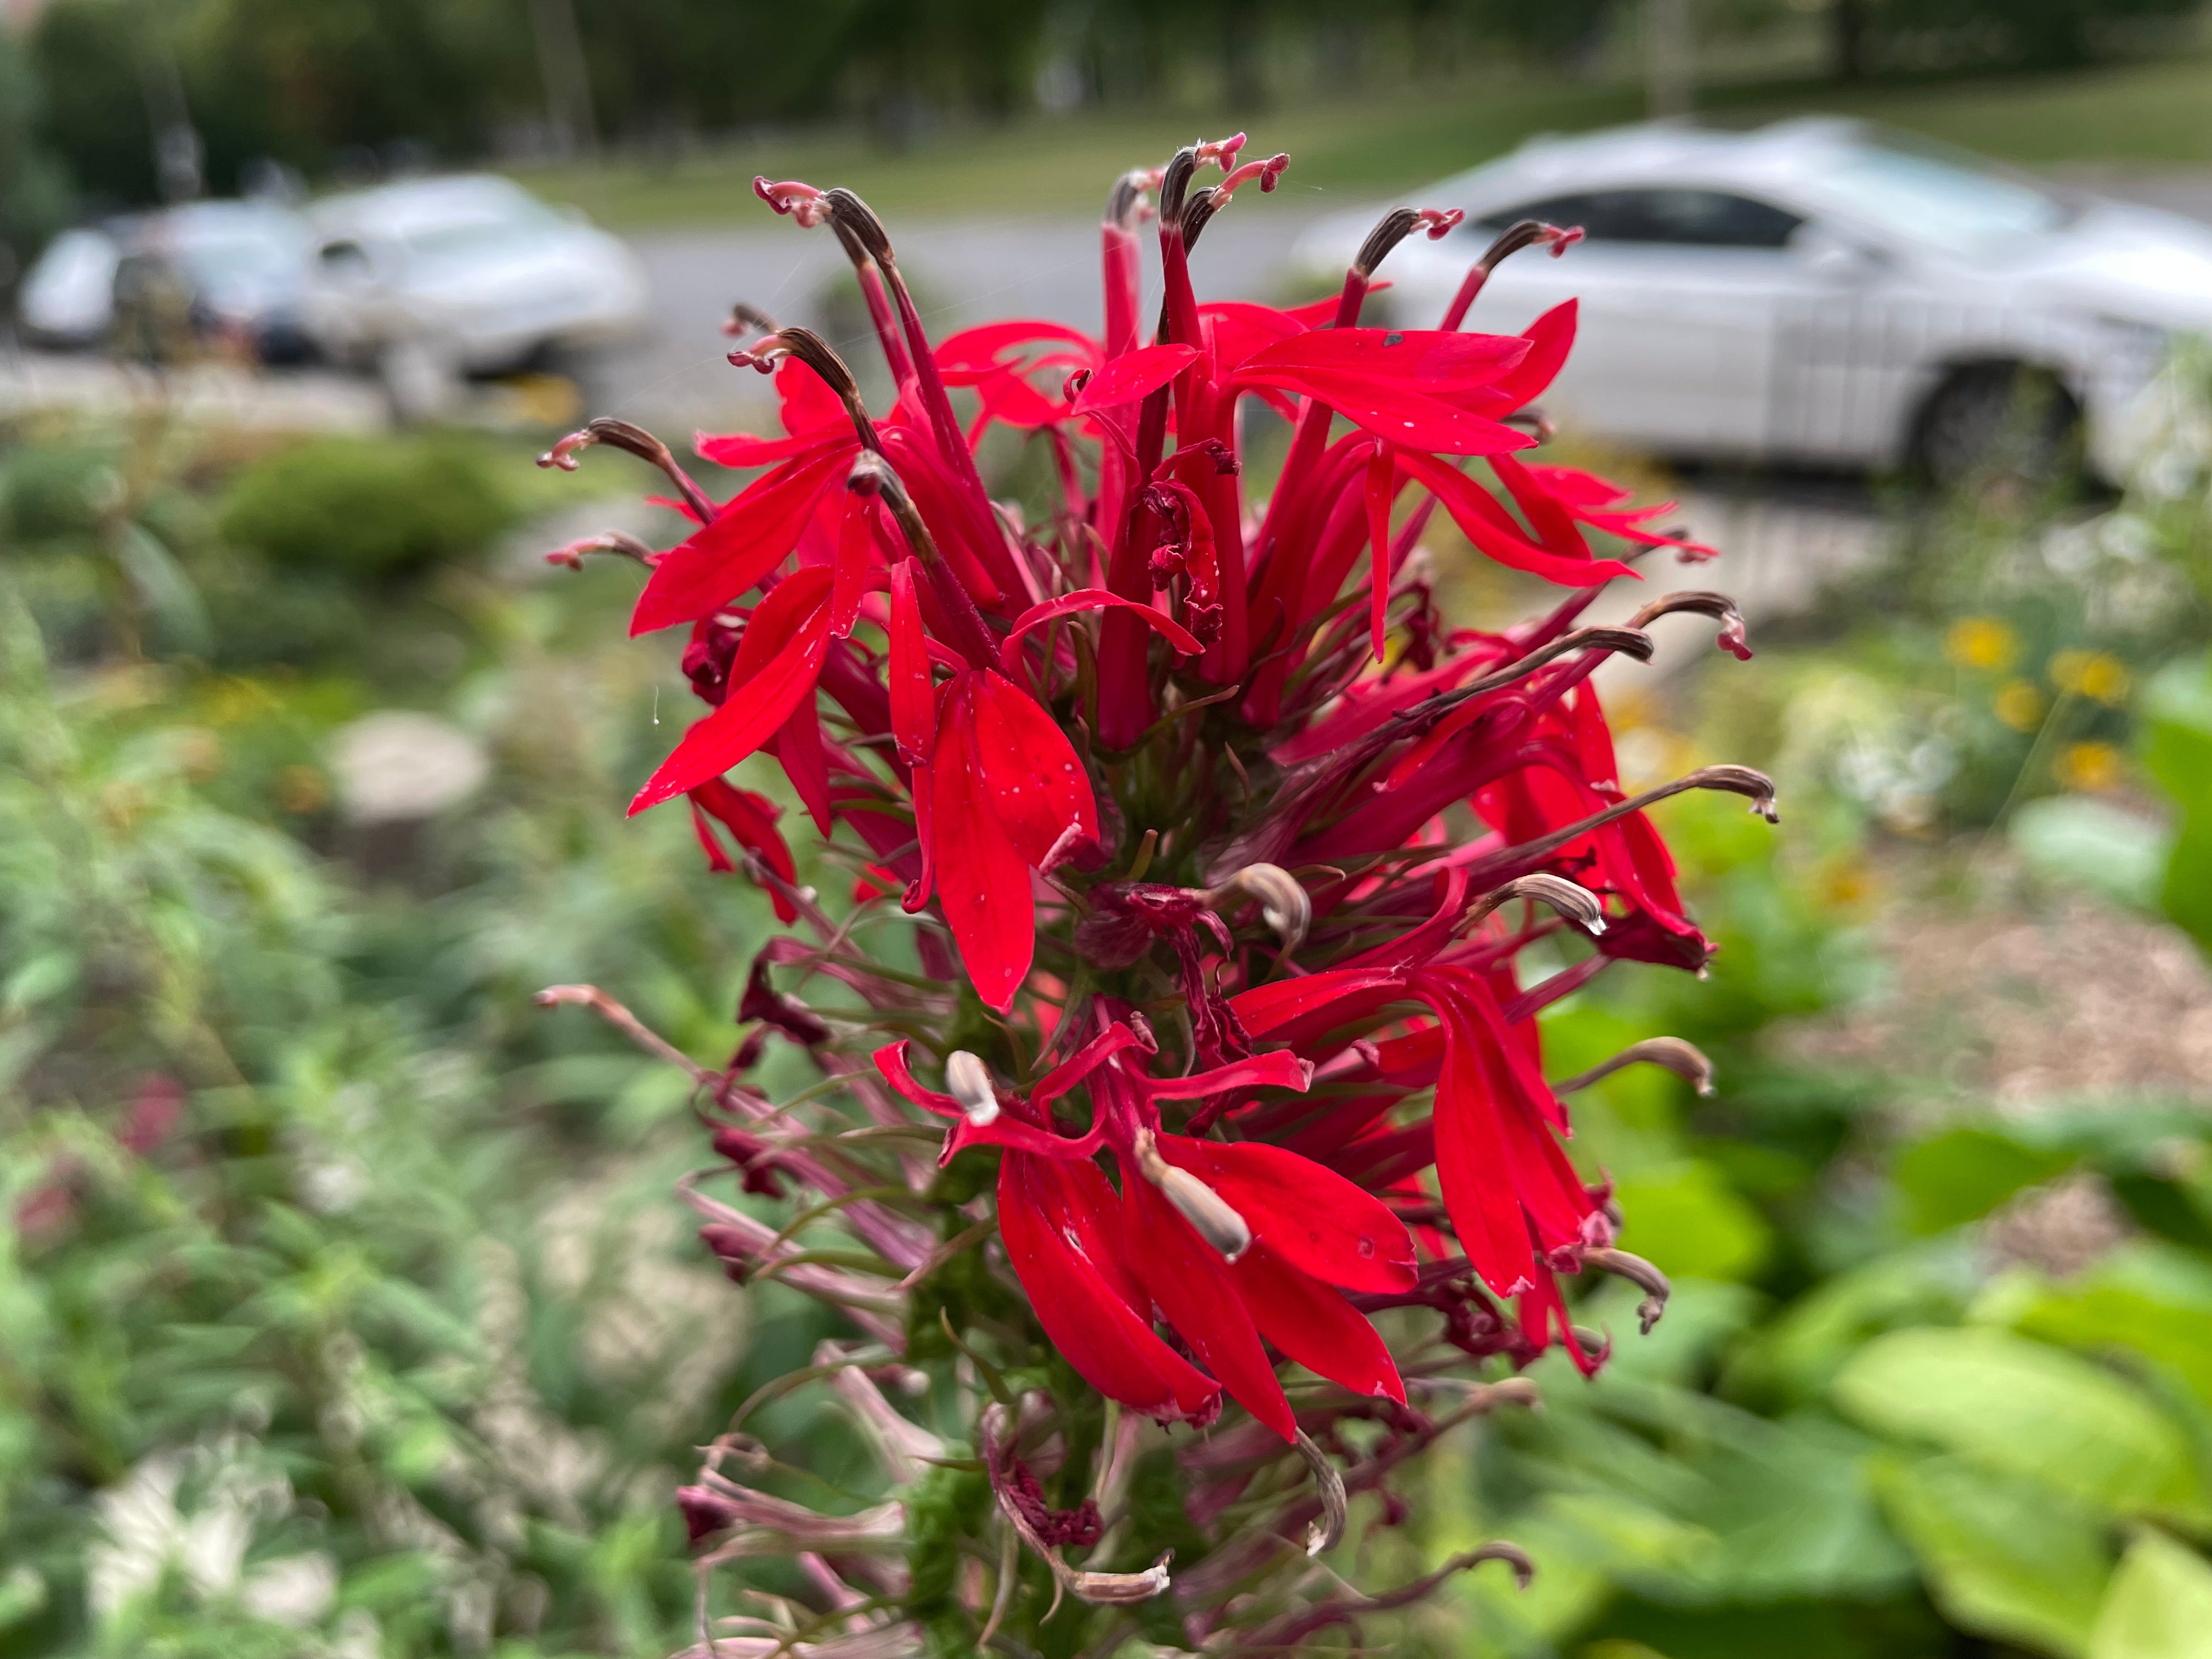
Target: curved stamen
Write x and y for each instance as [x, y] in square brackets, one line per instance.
[1685, 1059]
[1328, 1532]
[967, 1080]
[1704, 603]
[1284, 904]
[1525, 233]
[1394, 227]
[1576, 903]
[818, 354]
[1639, 1272]
[634, 440]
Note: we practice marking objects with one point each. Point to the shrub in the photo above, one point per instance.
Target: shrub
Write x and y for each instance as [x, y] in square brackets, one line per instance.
[367, 507]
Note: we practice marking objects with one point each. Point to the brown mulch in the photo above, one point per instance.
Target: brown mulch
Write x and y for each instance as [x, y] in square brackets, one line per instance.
[2018, 1001]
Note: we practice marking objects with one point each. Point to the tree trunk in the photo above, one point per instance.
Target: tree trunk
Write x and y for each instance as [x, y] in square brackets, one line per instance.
[1847, 39]
[1670, 49]
[567, 79]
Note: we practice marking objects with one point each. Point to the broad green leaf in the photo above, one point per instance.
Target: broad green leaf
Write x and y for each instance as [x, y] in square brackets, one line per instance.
[2023, 1408]
[2159, 1605]
[2003, 1558]
[1687, 1217]
[2151, 1299]
[1794, 1506]
[1962, 1175]
[1802, 1351]
[2092, 843]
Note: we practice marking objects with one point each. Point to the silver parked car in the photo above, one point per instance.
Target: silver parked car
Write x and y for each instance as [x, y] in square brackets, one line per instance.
[1818, 292]
[473, 266]
[232, 270]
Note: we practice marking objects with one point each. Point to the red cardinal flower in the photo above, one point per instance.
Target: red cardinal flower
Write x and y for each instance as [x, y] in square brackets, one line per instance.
[1218, 847]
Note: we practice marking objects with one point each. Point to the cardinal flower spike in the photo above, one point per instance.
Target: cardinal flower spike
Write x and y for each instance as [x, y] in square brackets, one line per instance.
[1182, 1095]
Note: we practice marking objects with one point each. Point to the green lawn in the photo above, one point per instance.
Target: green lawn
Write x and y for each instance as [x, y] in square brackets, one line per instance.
[2156, 113]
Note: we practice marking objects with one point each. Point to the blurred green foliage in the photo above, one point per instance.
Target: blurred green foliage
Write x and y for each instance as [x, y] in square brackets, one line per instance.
[367, 507]
[337, 85]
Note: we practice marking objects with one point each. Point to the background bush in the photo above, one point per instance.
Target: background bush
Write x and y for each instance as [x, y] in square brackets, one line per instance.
[367, 507]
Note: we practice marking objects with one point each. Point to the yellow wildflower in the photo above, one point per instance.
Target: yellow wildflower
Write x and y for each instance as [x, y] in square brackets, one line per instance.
[1982, 642]
[2019, 704]
[2091, 767]
[2091, 674]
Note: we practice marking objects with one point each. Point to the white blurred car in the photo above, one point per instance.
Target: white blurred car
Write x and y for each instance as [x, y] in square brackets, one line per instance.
[1817, 292]
[473, 268]
[236, 269]
[68, 297]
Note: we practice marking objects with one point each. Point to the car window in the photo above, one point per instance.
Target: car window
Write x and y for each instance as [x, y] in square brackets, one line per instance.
[1930, 199]
[1681, 217]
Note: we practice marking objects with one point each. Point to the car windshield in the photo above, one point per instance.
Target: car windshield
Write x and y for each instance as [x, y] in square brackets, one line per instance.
[493, 226]
[261, 260]
[1929, 198]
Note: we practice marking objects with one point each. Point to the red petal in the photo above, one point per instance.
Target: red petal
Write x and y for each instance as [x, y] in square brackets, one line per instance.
[976, 552]
[890, 1061]
[1037, 786]
[1235, 329]
[855, 536]
[744, 449]
[752, 819]
[805, 762]
[1550, 338]
[1093, 598]
[748, 538]
[1280, 1069]
[1077, 1066]
[913, 703]
[975, 352]
[1130, 378]
[1062, 1231]
[793, 623]
[982, 881]
[1314, 1326]
[1471, 1163]
[1191, 1283]
[1553, 524]
[1427, 359]
[1382, 490]
[808, 405]
[1401, 414]
[1312, 1217]
[1335, 995]
[1492, 529]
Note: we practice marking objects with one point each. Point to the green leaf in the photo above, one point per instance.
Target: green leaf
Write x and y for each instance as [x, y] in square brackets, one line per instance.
[1688, 1219]
[2177, 707]
[2147, 1298]
[2092, 843]
[2020, 1407]
[1962, 1175]
[2003, 1558]
[2159, 1605]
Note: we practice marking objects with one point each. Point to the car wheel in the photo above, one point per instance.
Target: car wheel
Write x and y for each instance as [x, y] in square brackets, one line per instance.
[2004, 424]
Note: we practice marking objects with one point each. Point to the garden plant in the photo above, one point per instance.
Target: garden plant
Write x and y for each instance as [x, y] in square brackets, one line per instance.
[1183, 1159]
